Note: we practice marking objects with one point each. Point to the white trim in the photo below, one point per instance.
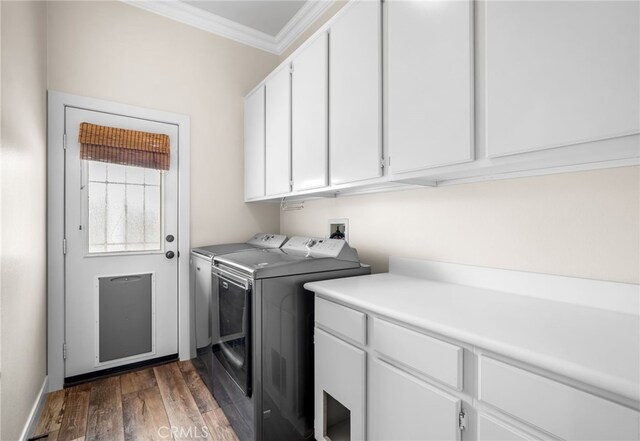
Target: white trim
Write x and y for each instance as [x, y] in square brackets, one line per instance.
[57, 102]
[36, 410]
[207, 21]
[618, 297]
[299, 23]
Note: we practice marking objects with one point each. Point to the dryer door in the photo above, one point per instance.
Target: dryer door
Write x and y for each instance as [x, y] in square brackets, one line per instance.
[234, 321]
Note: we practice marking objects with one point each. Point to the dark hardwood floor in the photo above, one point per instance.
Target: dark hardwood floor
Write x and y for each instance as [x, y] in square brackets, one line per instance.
[168, 402]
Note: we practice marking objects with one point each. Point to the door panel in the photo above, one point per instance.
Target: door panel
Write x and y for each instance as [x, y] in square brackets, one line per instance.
[310, 95]
[340, 373]
[254, 136]
[405, 408]
[116, 220]
[278, 129]
[560, 73]
[430, 83]
[355, 94]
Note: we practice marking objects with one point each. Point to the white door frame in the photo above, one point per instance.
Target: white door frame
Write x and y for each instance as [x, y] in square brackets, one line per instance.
[57, 102]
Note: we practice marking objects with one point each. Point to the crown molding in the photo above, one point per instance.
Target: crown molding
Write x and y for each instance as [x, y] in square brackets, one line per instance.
[300, 22]
[190, 15]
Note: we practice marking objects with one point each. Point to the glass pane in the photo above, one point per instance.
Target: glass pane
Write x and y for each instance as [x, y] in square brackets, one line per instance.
[115, 214]
[153, 218]
[97, 171]
[117, 173]
[135, 175]
[135, 215]
[124, 208]
[152, 177]
[114, 248]
[97, 206]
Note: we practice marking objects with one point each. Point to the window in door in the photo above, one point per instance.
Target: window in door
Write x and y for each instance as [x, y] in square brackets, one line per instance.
[124, 208]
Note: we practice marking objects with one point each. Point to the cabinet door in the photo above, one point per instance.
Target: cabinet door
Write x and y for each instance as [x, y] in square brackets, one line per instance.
[278, 130]
[254, 144]
[401, 407]
[429, 83]
[309, 119]
[354, 95]
[560, 73]
[340, 371]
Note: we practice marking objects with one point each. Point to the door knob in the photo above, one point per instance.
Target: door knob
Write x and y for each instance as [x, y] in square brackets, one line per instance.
[170, 254]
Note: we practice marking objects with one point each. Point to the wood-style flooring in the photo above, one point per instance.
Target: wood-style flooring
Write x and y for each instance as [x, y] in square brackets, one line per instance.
[168, 402]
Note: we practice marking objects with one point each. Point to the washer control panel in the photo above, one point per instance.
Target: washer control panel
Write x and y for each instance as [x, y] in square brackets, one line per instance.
[266, 240]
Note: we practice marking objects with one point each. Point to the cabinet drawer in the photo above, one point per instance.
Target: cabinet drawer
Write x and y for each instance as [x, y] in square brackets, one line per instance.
[345, 321]
[554, 407]
[435, 358]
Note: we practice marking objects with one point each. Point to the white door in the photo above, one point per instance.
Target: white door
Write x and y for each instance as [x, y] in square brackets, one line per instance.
[430, 83]
[340, 376]
[254, 145]
[278, 133]
[404, 408]
[560, 73]
[355, 146]
[309, 121]
[121, 266]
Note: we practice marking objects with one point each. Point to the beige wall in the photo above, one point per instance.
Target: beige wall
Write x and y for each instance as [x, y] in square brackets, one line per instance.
[582, 224]
[117, 52]
[23, 218]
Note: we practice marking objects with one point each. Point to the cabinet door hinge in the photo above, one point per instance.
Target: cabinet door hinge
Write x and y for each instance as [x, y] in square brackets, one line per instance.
[291, 68]
[64, 141]
[462, 420]
[64, 351]
[291, 185]
[383, 163]
[64, 246]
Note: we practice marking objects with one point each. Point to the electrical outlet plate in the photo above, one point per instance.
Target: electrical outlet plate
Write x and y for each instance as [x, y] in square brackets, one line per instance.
[341, 225]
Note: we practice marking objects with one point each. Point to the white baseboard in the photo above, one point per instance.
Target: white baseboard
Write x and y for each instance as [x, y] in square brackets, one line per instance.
[36, 410]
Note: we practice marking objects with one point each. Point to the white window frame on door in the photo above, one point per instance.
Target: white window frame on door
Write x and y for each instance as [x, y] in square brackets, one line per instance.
[57, 103]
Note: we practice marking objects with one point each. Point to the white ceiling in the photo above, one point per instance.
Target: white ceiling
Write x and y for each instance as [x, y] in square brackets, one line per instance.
[266, 16]
[270, 25]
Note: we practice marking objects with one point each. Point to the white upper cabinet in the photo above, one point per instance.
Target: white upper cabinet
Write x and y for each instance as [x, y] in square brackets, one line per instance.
[355, 94]
[278, 132]
[560, 73]
[309, 120]
[429, 84]
[254, 144]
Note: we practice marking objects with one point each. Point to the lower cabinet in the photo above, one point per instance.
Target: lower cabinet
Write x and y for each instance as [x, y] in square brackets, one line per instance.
[340, 389]
[385, 381]
[402, 407]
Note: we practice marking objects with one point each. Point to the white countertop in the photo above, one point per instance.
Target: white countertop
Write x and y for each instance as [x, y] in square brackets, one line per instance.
[592, 345]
